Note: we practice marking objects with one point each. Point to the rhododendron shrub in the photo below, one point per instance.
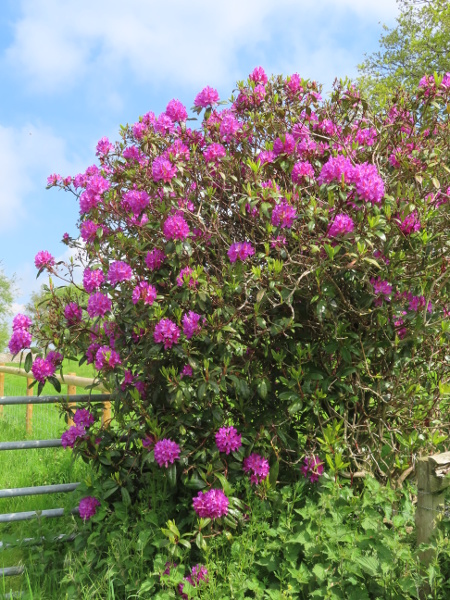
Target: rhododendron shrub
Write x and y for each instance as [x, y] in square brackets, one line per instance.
[251, 286]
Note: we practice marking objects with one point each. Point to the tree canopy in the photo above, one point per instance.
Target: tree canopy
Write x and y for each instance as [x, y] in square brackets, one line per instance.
[6, 299]
[419, 44]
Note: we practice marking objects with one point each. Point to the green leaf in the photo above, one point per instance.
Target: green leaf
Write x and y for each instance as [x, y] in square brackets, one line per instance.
[126, 499]
[28, 362]
[274, 470]
[201, 391]
[55, 383]
[172, 475]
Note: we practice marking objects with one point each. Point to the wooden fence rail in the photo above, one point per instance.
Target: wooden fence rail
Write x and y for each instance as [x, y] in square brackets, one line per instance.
[71, 380]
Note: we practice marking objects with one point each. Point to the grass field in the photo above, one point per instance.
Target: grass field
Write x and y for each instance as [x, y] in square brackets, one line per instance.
[25, 468]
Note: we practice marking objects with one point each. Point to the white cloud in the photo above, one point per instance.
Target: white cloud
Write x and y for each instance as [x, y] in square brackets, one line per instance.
[58, 44]
[17, 308]
[27, 156]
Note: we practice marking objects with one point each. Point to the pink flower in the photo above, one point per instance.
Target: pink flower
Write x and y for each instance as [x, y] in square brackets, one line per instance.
[166, 451]
[176, 111]
[313, 468]
[410, 224]
[341, 225]
[54, 179]
[92, 280]
[70, 436]
[176, 228]
[258, 465]
[146, 292]
[135, 201]
[381, 287]
[119, 271]
[44, 260]
[336, 169]
[192, 324]
[185, 277]
[229, 127]
[283, 215]
[104, 147]
[207, 97]
[167, 333]
[228, 440]
[302, 170]
[198, 573]
[164, 124]
[258, 75]
[155, 259]
[21, 322]
[83, 418]
[240, 250]
[163, 169]
[88, 507]
[42, 369]
[214, 152]
[186, 371]
[285, 145]
[368, 183]
[278, 242]
[212, 504]
[88, 230]
[106, 358]
[266, 156]
[55, 358]
[20, 339]
[98, 305]
[73, 313]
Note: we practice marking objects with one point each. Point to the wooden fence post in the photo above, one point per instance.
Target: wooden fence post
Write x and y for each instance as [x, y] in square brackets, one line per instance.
[71, 391]
[431, 485]
[29, 415]
[106, 415]
[2, 388]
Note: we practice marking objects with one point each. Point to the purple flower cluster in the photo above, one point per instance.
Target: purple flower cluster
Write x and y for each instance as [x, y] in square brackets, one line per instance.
[83, 417]
[176, 228]
[44, 260]
[381, 288]
[313, 468]
[198, 573]
[229, 127]
[410, 224]
[135, 201]
[192, 324]
[240, 250]
[207, 97]
[104, 147]
[88, 507]
[228, 440]
[212, 504]
[302, 170]
[285, 145]
[283, 215]
[176, 111]
[336, 169]
[98, 305]
[258, 466]
[42, 369]
[167, 333]
[368, 183]
[92, 280]
[185, 276]
[73, 313]
[144, 291]
[119, 271]
[163, 169]
[166, 451]
[341, 225]
[55, 358]
[70, 436]
[186, 371]
[106, 358]
[155, 259]
[21, 337]
[214, 152]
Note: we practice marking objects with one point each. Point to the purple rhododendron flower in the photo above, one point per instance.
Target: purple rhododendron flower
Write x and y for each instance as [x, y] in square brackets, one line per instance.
[207, 97]
[83, 418]
[283, 215]
[176, 111]
[92, 280]
[20, 339]
[167, 333]
[191, 324]
[155, 259]
[228, 440]
[88, 230]
[166, 451]
[302, 170]
[214, 152]
[163, 169]
[341, 225]
[186, 371]
[183, 277]
[119, 271]
[135, 201]
[70, 436]
[104, 147]
[229, 127]
[21, 322]
[198, 574]
[284, 146]
[258, 466]
[106, 358]
[381, 287]
[44, 260]
[42, 369]
[313, 468]
[258, 75]
[164, 124]
[98, 305]
[144, 291]
[240, 250]
[175, 228]
[55, 358]
[410, 224]
[212, 504]
[266, 156]
[336, 168]
[368, 183]
[88, 507]
[73, 313]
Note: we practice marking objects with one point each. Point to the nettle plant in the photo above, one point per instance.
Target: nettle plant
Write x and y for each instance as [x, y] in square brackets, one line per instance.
[277, 277]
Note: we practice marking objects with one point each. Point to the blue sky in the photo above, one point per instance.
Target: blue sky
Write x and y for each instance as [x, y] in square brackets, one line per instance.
[72, 71]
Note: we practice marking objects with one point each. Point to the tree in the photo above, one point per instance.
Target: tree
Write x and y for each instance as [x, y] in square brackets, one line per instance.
[419, 44]
[7, 290]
